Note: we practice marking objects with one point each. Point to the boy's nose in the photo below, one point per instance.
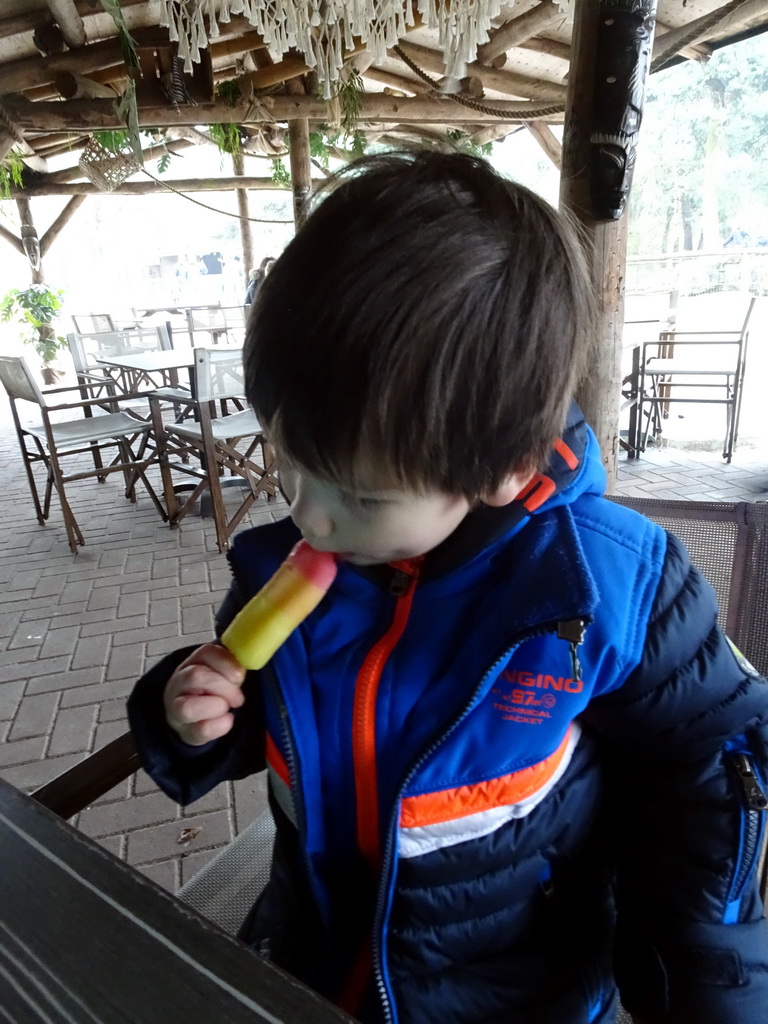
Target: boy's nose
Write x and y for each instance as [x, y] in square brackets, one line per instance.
[312, 519]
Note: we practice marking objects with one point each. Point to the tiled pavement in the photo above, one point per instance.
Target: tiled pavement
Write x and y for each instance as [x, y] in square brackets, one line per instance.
[76, 631]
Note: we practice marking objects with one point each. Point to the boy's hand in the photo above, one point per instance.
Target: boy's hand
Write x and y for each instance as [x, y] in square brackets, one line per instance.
[201, 693]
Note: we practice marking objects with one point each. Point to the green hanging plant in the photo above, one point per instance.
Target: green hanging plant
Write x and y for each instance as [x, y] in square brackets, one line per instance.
[463, 142]
[10, 173]
[35, 309]
[228, 137]
[280, 173]
[228, 92]
[351, 94]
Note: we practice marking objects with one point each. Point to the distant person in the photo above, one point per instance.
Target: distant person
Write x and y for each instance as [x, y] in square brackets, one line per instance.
[256, 279]
[738, 237]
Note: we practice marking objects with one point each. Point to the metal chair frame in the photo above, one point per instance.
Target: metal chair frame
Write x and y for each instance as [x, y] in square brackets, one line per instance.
[661, 370]
[51, 441]
[214, 444]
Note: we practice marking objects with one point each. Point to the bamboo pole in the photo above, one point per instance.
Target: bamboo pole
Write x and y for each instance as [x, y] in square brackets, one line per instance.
[94, 115]
[61, 221]
[69, 21]
[149, 187]
[519, 29]
[151, 153]
[246, 238]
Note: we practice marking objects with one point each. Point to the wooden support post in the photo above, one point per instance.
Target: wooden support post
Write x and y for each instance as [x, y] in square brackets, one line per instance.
[301, 164]
[246, 237]
[606, 242]
[12, 239]
[30, 241]
[61, 221]
[548, 141]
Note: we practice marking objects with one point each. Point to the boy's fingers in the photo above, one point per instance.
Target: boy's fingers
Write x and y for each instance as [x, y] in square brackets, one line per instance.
[191, 710]
[218, 658]
[203, 732]
[200, 679]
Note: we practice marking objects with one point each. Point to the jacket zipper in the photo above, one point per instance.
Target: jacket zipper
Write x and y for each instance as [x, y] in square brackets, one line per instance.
[754, 803]
[296, 790]
[571, 630]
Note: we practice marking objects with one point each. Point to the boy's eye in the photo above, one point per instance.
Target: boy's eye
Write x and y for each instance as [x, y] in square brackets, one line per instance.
[356, 502]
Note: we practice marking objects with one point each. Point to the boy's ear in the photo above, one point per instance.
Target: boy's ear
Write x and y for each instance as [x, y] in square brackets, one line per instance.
[508, 489]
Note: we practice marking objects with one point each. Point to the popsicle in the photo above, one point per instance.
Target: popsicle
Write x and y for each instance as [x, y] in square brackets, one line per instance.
[284, 601]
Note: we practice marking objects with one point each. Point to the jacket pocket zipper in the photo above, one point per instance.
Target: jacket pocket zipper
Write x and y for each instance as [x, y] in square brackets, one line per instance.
[754, 803]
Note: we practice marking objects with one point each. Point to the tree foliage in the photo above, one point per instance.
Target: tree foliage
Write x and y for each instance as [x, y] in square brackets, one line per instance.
[702, 152]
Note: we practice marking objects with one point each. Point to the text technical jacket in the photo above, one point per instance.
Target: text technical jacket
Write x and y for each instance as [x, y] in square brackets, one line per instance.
[537, 766]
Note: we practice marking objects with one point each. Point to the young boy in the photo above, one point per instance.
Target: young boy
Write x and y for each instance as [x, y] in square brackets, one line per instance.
[511, 755]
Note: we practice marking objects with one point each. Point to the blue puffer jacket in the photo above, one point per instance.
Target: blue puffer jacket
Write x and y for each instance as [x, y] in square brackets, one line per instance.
[498, 786]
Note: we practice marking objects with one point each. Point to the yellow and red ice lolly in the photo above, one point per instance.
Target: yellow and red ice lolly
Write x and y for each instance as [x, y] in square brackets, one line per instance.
[284, 601]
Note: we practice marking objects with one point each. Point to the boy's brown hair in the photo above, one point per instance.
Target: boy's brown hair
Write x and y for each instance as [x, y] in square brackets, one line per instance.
[431, 316]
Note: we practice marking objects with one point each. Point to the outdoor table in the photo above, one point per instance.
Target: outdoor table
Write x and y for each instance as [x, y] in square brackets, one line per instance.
[148, 370]
[85, 937]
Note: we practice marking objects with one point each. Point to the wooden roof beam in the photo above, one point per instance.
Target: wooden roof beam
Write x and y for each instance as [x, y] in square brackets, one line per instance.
[552, 47]
[15, 24]
[698, 51]
[396, 81]
[727, 20]
[519, 29]
[507, 82]
[34, 71]
[69, 21]
[148, 187]
[68, 174]
[94, 115]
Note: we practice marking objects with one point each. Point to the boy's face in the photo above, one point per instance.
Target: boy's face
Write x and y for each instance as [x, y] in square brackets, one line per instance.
[372, 521]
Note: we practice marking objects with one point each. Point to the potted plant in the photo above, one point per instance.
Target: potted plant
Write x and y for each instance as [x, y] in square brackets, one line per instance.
[36, 308]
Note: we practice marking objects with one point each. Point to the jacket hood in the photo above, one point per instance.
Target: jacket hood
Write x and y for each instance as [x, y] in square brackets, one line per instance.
[575, 468]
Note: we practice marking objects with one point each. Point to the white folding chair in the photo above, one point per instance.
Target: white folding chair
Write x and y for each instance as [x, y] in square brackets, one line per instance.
[215, 447]
[50, 441]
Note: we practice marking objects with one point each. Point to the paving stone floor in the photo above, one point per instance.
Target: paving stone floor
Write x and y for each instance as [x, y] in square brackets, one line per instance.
[77, 630]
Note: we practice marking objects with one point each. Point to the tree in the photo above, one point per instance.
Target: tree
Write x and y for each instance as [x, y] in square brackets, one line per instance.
[701, 166]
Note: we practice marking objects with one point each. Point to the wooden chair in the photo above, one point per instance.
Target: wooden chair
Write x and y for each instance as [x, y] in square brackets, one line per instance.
[214, 444]
[729, 543]
[711, 361]
[52, 440]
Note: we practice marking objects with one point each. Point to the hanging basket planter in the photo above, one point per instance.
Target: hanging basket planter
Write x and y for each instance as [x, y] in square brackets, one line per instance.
[105, 168]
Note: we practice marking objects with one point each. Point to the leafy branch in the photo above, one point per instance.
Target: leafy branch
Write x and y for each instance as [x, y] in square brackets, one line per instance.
[10, 173]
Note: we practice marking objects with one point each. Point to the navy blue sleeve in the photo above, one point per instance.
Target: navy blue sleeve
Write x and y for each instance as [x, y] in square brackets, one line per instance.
[183, 772]
[681, 737]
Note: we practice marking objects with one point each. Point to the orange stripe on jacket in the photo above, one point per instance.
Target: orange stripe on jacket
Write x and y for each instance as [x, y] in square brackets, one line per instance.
[449, 804]
[276, 761]
[566, 453]
[364, 720]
